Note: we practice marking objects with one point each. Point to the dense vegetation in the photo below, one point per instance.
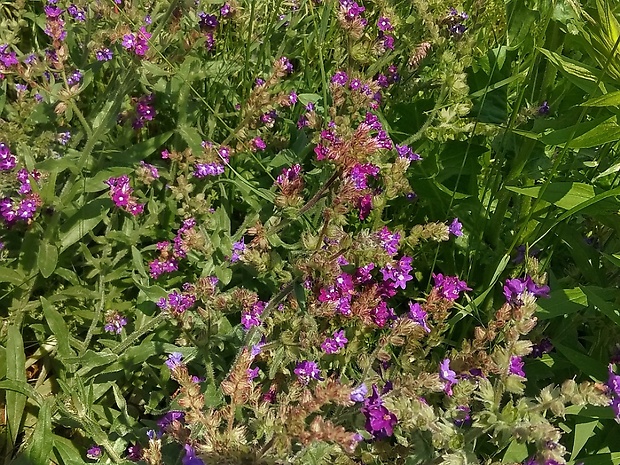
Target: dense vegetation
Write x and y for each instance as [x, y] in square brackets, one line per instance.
[269, 232]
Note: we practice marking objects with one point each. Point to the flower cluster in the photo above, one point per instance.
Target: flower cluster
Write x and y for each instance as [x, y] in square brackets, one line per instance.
[114, 322]
[186, 238]
[137, 42]
[350, 16]
[208, 23]
[55, 25]
[332, 345]
[251, 317]
[212, 165]
[385, 38]
[178, 302]
[104, 54]
[613, 389]
[455, 22]
[120, 193]
[380, 421]
[24, 207]
[7, 159]
[144, 111]
[449, 287]
[515, 289]
[76, 13]
[307, 370]
[7, 59]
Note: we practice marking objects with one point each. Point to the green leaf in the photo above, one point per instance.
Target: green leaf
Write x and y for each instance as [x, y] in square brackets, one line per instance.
[581, 75]
[12, 276]
[82, 222]
[583, 432]
[42, 439]
[611, 99]
[23, 388]
[67, 451]
[516, 452]
[584, 135]
[588, 365]
[192, 137]
[141, 151]
[15, 371]
[561, 302]
[47, 258]
[565, 195]
[59, 328]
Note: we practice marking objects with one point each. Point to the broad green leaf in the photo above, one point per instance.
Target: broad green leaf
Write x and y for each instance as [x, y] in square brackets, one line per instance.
[82, 222]
[141, 151]
[59, 328]
[192, 138]
[581, 75]
[583, 432]
[516, 452]
[47, 258]
[611, 99]
[598, 459]
[565, 195]
[561, 302]
[42, 439]
[67, 451]
[610, 309]
[584, 135]
[16, 372]
[12, 276]
[588, 365]
[23, 388]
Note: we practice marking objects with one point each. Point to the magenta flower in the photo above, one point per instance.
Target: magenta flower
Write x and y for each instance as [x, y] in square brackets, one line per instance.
[384, 24]
[389, 241]
[380, 421]
[516, 366]
[258, 144]
[307, 370]
[340, 78]
[7, 159]
[94, 453]
[447, 375]
[456, 228]
[449, 287]
[419, 315]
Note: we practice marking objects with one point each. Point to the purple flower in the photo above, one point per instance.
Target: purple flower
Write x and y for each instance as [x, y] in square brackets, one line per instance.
[384, 24]
[134, 452]
[360, 173]
[340, 78]
[7, 159]
[419, 315]
[544, 109]
[389, 241]
[516, 366]
[115, 323]
[380, 421]
[514, 289]
[63, 137]
[74, 78]
[332, 345]
[381, 314]
[237, 250]
[175, 360]
[225, 10]
[359, 393]
[307, 370]
[190, 457]
[94, 453]
[447, 375]
[456, 228]
[252, 373]
[258, 144]
[104, 54]
[169, 418]
[207, 21]
[449, 287]
[543, 347]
